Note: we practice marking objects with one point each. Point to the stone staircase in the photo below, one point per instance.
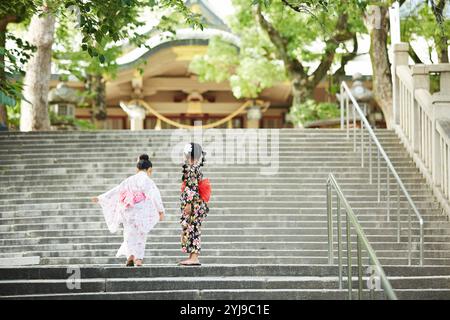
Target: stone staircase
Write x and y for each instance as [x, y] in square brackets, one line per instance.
[265, 236]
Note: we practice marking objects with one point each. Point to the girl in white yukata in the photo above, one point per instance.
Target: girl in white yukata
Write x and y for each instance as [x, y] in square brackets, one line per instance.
[136, 204]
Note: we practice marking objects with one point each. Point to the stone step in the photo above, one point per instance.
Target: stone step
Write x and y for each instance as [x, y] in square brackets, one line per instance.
[130, 157]
[223, 188]
[74, 236]
[255, 220]
[52, 204]
[86, 191]
[18, 287]
[207, 141]
[223, 253]
[320, 222]
[285, 161]
[149, 271]
[308, 294]
[233, 260]
[347, 166]
[167, 140]
[234, 213]
[168, 226]
[371, 218]
[159, 238]
[174, 197]
[296, 182]
[319, 232]
[431, 248]
[169, 132]
[164, 152]
[161, 150]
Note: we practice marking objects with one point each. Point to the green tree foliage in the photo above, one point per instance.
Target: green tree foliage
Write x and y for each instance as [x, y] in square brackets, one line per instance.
[429, 22]
[11, 61]
[100, 22]
[248, 70]
[311, 110]
[276, 44]
[93, 65]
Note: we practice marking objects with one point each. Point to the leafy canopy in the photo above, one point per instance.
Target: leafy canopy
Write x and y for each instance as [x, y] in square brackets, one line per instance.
[99, 22]
[258, 63]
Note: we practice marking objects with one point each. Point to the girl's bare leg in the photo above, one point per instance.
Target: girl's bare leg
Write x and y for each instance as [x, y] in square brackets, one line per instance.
[187, 260]
[138, 262]
[193, 259]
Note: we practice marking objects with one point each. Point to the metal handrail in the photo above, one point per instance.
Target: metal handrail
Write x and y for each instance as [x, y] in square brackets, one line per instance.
[361, 240]
[345, 97]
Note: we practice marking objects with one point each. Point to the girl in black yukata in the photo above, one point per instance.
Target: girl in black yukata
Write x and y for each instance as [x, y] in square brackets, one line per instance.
[195, 193]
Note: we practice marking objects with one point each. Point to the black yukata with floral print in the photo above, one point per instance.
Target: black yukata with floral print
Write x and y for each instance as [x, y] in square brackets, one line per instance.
[190, 196]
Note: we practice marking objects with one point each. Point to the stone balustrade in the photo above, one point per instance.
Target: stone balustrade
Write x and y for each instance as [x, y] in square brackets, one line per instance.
[422, 119]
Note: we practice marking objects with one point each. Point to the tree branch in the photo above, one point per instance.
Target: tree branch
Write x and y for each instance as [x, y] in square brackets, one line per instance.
[5, 20]
[293, 66]
[330, 49]
[414, 56]
[346, 58]
[297, 8]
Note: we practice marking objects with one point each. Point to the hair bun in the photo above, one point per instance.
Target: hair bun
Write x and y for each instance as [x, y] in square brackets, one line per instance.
[144, 162]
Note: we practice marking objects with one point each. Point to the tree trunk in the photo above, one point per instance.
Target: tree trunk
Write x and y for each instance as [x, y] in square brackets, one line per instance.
[382, 81]
[3, 115]
[96, 84]
[300, 92]
[441, 38]
[34, 108]
[3, 118]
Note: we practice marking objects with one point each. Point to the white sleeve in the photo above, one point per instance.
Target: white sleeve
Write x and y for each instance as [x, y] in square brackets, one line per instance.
[110, 193]
[158, 200]
[152, 191]
[109, 201]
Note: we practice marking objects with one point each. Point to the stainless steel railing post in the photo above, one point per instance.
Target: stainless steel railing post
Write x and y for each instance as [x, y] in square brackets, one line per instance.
[421, 243]
[362, 243]
[409, 237]
[348, 115]
[342, 107]
[378, 177]
[330, 225]
[360, 273]
[339, 239]
[354, 129]
[362, 144]
[347, 97]
[349, 257]
[370, 160]
[398, 214]
[388, 194]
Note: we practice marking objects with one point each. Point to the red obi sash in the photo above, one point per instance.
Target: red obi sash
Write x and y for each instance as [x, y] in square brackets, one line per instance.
[204, 189]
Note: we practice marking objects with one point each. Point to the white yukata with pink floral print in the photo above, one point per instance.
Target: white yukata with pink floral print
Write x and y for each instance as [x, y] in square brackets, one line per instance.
[135, 203]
